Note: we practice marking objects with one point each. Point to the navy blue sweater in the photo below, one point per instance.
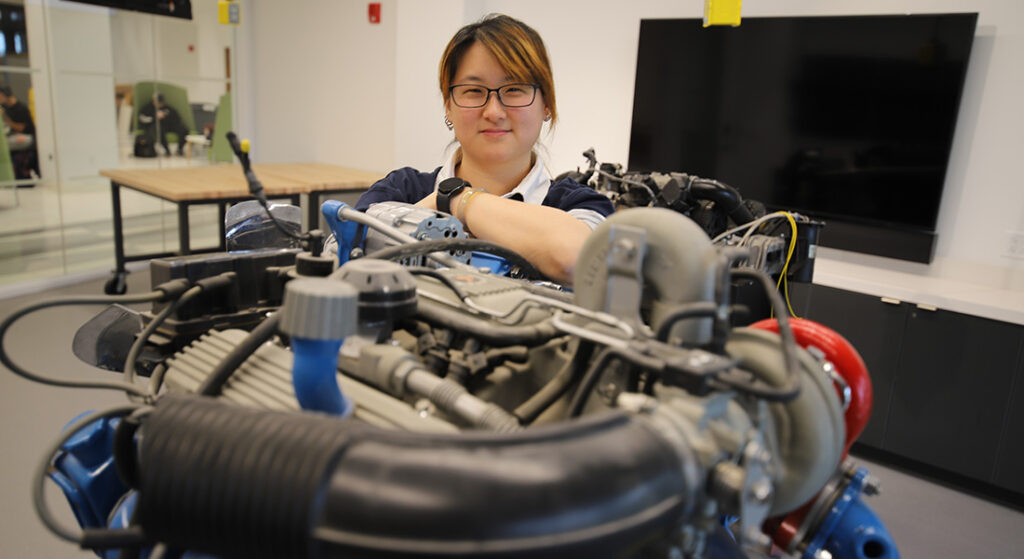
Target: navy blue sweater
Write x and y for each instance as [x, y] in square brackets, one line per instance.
[410, 186]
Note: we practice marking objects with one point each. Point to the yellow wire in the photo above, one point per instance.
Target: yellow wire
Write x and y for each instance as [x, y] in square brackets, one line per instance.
[783, 283]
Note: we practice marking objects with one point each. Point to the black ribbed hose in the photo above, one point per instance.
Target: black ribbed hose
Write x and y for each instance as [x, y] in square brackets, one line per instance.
[725, 196]
[245, 483]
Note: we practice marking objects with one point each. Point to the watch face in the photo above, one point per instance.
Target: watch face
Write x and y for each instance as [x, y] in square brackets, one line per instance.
[447, 189]
[451, 186]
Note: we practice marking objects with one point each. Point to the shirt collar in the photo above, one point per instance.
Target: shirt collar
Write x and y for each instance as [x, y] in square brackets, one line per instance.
[532, 189]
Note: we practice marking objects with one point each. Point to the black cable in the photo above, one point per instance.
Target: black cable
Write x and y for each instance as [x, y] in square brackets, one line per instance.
[530, 410]
[223, 371]
[432, 272]
[155, 295]
[726, 196]
[789, 356]
[256, 189]
[683, 312]
[156, 379]
[39, 477]
[143, 338]
[623, 180]
[421, 248]
[727, 258]
[103, 538]
[598, 367]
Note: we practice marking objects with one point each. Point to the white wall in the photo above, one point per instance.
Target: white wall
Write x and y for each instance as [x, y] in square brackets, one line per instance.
[131, 41]
[212, 37]
[424, 29]
[82, 69]
[321, 80]
[593, 52]
[187, 53]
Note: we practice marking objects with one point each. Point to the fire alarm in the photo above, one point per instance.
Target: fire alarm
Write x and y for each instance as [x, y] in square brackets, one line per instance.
[374, 12]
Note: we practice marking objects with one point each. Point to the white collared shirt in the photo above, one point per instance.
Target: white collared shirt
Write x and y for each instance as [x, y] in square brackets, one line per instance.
[533, 189]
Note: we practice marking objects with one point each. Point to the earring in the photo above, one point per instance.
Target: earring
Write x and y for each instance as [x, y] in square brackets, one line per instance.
[547, 117]
[448, 123]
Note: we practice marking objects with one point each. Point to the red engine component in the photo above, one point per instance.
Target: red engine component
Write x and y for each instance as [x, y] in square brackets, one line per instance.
[847, 362]
[851, 368]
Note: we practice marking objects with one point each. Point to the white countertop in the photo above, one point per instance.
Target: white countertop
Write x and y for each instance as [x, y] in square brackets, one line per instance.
[995, 303]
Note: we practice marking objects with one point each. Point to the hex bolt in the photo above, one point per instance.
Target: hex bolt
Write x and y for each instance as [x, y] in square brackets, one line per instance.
[759, 539]
[625, 247]
[872, 486]
[761, 490]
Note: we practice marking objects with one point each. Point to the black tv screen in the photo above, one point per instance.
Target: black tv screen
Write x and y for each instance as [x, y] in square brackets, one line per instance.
[848, 119]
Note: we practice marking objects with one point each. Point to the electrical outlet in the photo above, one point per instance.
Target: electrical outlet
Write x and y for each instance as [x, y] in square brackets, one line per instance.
[1015, 244]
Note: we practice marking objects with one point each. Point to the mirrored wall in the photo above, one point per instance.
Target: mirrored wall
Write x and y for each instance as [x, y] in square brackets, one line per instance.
[86, 88]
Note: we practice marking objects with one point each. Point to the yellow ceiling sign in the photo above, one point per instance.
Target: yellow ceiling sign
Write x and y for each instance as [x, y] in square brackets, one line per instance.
[722, 12]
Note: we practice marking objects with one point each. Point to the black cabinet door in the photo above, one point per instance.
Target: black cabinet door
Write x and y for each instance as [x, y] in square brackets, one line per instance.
[1010, 462]
[951, 391]
[875, 329]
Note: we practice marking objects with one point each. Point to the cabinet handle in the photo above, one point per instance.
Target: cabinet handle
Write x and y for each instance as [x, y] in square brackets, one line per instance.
[927, 307]
[891, 301]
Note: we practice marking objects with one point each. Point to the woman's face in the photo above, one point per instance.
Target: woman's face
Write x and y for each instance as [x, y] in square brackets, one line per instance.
[493, 134]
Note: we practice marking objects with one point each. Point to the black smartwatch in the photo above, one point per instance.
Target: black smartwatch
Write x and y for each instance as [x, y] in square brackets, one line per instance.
[448, 189]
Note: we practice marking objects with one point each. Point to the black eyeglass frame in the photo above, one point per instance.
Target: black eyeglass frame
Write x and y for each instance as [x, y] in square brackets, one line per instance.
[496, 91]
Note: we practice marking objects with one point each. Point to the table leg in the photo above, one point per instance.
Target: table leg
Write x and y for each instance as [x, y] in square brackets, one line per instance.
[313, 216]
[222, 208]
[117, 284]
[183, 233]
[115, 196]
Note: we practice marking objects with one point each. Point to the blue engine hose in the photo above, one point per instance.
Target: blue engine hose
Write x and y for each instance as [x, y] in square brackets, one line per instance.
[315, 376]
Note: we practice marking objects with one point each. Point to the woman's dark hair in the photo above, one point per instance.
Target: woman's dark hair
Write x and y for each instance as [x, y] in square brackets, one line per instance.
[517, 47]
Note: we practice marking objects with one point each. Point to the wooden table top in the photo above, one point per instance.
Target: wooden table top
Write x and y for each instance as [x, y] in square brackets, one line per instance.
[226, 180]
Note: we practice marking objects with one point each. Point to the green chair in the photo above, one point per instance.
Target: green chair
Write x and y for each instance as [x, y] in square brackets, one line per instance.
[220, 150]
[6, 165]
[174, 96]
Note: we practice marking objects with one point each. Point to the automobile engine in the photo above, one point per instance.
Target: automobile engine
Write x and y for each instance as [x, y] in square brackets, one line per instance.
[406, 400]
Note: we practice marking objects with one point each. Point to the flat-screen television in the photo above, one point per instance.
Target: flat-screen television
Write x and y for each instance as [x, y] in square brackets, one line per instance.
[846, 119]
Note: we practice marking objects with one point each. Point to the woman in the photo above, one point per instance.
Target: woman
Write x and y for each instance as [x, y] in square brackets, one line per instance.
[498, 91]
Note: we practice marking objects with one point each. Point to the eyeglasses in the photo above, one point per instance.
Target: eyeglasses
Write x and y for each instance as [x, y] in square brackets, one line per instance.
[511, 95]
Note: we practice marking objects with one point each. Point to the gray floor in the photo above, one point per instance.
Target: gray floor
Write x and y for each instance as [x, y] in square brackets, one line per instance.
[926, 520]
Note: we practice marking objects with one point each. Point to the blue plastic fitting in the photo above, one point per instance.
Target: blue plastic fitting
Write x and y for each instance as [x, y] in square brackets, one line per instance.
[496, 264]
[860, 534]
[348, 234]
[84, 471]
[314, 375]
[851, 530]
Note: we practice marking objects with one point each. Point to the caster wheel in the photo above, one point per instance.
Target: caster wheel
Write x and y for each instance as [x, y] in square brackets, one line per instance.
[116, 285]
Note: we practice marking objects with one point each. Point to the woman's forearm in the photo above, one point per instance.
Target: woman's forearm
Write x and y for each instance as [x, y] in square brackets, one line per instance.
[549, 238]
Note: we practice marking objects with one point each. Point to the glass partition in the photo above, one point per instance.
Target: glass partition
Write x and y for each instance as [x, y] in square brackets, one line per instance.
[103, 89]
